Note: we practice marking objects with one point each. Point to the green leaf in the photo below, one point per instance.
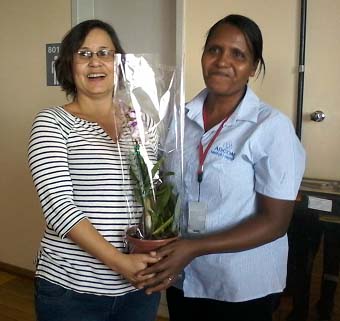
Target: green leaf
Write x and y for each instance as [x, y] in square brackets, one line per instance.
[162, 228]
[157, 166]
[162, 196]
[168, 174]
[176, 214]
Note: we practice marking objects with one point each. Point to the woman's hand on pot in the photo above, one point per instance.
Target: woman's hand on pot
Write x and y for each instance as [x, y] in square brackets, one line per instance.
[130, 264]
[173, 259]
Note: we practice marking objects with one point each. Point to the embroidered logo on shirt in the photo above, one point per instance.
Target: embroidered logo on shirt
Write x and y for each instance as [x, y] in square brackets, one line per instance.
[225, 151]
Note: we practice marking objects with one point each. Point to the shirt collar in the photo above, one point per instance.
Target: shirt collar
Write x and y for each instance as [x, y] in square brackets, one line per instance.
[247, 110]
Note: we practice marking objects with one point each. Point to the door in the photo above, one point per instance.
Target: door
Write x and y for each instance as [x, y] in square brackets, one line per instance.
[322, 84]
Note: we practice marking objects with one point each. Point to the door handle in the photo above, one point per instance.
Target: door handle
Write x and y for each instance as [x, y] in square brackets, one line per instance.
[318, 116]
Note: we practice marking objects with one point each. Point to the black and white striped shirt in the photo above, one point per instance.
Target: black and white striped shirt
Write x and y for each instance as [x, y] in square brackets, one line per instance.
[79, 172]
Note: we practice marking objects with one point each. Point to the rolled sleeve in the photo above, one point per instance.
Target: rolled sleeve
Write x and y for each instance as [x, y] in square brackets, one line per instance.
[279, 159]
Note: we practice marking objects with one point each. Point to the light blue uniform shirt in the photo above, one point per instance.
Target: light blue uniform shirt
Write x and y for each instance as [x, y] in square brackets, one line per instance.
[257, 151]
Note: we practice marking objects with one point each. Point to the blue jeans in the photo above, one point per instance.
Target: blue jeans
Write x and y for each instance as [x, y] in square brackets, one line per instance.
[55, 303]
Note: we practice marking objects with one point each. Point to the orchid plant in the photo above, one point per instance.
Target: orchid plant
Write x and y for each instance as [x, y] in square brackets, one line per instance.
[161, 206]
[146, 88]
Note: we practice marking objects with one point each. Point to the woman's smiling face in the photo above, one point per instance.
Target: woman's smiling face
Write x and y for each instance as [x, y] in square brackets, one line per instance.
[94, 76]
[227, 61]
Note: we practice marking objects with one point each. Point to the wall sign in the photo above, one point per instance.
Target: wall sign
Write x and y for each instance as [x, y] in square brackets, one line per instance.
[52, 53]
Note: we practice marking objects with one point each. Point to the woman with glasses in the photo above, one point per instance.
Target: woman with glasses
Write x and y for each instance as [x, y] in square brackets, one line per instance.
[76, 155]
[243, 167]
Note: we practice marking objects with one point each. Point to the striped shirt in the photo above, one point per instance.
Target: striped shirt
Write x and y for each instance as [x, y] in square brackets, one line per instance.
[79, 172]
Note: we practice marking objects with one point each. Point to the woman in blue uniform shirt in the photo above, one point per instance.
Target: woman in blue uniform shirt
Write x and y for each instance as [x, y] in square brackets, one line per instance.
[243, 167]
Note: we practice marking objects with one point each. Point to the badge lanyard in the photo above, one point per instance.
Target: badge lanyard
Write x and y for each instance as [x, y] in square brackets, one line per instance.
[203, 154]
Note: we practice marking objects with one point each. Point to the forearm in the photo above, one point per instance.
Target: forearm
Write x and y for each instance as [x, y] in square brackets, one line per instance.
[250, 234]
[90, 240]
[270, 223]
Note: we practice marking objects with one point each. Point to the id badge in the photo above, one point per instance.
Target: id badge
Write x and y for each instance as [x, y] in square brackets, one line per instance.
[197, 214]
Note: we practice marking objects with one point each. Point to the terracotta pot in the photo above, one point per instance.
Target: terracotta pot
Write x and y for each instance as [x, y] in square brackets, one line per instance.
[136, 245]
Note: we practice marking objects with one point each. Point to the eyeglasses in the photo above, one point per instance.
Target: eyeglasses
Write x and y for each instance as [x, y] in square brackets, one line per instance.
[84, 55]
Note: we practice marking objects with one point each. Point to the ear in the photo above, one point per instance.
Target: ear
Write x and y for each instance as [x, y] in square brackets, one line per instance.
[256, 63]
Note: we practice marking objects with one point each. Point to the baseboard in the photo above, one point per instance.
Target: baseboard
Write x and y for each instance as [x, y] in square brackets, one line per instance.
[9, 268]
